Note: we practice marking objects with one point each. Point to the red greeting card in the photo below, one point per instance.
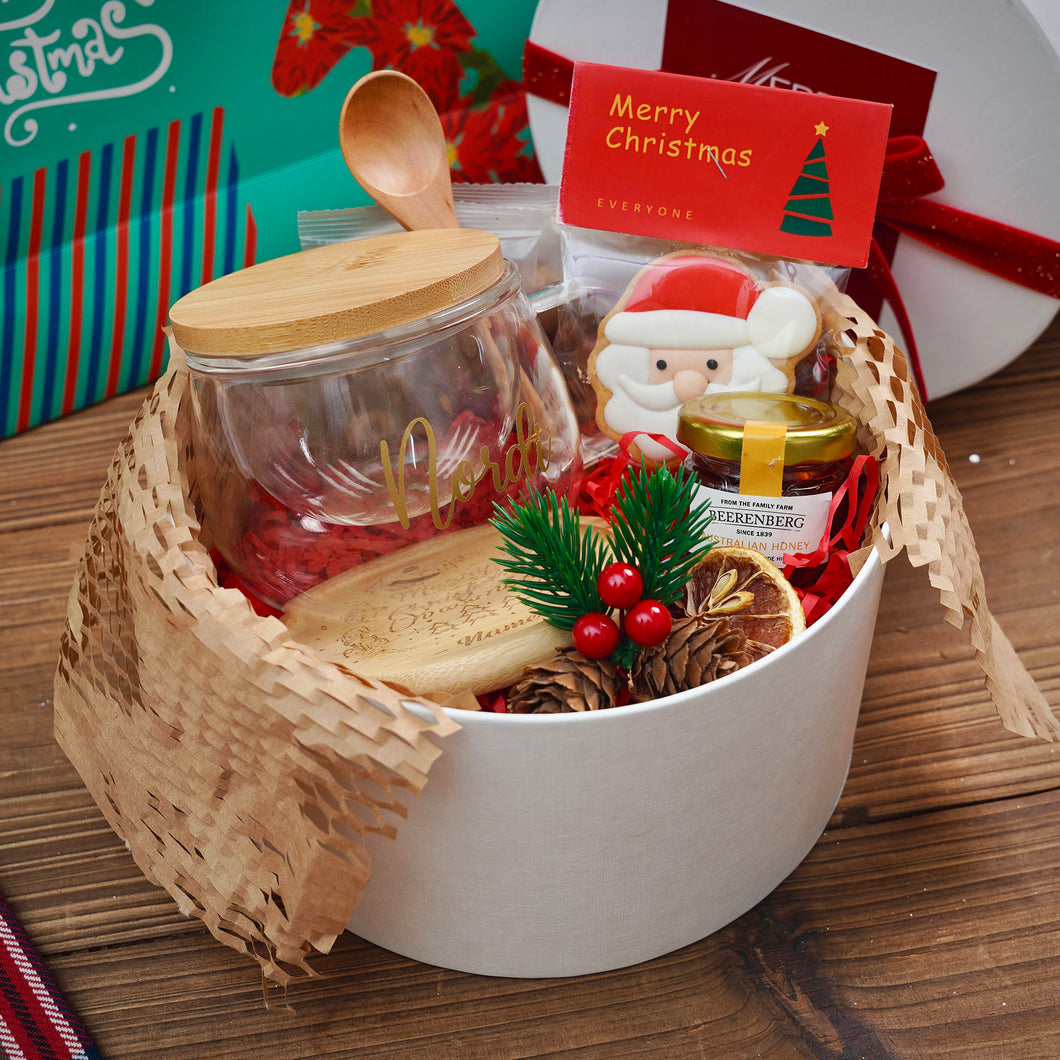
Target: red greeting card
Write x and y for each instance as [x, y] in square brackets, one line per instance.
[759, 169]
[710, 38]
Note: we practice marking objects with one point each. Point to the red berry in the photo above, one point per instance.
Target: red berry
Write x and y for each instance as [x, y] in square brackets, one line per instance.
[648, 623]
[620, 585]
[595, 635]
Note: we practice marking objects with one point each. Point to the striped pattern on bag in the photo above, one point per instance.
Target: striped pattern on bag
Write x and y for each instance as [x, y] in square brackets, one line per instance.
[93, 252]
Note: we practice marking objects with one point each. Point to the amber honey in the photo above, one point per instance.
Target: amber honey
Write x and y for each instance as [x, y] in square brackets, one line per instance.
[769, 464]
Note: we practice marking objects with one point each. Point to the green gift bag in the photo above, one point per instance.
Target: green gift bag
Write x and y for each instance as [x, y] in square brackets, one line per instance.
[149, 146]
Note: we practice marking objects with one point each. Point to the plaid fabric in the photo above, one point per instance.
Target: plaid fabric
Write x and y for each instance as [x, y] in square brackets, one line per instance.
[36, 1021]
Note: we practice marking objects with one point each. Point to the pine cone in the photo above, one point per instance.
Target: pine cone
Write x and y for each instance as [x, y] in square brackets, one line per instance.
[567, 683]
[697, 651]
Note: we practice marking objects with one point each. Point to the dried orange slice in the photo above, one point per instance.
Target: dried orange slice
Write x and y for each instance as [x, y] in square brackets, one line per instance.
[750, 591]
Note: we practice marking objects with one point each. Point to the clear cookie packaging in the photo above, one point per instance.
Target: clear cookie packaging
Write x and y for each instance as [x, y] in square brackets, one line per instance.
[522, 216]
[626, 295]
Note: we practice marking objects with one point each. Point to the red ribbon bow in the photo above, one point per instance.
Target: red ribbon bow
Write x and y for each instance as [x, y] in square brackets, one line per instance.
[909, 174]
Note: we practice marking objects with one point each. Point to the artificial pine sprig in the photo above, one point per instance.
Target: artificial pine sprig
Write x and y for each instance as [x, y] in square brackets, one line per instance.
[659, 528]
[553, 564]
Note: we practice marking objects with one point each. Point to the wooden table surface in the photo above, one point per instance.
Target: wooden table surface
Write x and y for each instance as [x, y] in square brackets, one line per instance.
[925, 922]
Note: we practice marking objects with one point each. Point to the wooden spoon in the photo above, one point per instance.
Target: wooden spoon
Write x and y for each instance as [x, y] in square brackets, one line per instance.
[394, 145]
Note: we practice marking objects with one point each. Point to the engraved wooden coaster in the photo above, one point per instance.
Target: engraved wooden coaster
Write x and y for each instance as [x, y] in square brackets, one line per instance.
[432, 617]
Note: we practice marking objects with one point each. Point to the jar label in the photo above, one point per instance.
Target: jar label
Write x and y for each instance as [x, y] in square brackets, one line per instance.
[528, 454]
[770, 525]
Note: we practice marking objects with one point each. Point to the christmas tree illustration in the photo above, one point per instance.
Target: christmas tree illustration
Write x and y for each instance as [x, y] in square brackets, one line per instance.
[809, 209]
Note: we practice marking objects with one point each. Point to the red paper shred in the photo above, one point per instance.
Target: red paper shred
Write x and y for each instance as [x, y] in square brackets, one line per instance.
[228, 579]
[600, 486]
[822, 576]
[493, 702]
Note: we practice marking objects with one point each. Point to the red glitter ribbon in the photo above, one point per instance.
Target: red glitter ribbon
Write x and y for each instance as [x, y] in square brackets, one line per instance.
[910, 173]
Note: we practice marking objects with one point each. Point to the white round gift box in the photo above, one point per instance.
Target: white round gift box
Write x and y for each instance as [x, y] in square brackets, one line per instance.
[991, 126]
[565, 844]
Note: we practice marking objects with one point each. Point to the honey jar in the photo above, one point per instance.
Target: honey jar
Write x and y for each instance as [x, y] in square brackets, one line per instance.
[769, 464]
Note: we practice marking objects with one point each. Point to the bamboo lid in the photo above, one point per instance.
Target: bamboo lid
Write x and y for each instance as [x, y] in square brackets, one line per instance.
[335, 293]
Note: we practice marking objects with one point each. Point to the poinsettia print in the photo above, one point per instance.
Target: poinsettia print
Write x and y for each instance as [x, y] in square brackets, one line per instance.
[483, 111]
[421, 38]
[490, 144]
[315, 35]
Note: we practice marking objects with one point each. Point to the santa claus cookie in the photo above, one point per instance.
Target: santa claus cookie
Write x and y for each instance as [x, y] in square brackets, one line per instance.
[690, 324]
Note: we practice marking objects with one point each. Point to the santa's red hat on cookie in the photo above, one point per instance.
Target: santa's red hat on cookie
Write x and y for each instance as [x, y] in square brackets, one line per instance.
[694, 324]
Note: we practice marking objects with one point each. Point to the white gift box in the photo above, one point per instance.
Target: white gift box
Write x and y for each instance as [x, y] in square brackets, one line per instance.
[564, 844]
[990, 127]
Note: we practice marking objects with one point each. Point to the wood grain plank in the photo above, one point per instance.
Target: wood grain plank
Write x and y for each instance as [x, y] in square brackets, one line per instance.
[897, 939]
[925, 923]
[54, 472]
[935, 930]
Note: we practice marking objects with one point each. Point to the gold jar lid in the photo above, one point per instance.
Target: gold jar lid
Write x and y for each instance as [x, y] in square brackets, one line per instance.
[817, 432]
[336, 293]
